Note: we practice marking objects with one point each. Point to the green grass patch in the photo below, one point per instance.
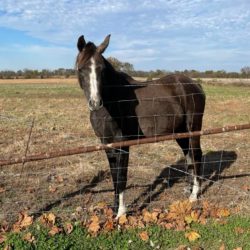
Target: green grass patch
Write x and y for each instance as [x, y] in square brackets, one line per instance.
[62, 90]
[226, 92]
[235, 232]
[39, 90]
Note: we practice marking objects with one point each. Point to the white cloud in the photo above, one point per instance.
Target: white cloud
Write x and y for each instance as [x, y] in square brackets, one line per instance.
[59, 21]
[36, 57]
[143, 31]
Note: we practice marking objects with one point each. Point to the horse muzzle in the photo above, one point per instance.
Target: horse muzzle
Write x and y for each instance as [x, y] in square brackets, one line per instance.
[95, 105]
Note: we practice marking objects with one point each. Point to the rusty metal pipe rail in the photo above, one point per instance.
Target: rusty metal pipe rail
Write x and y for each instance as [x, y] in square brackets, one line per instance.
[88, 149]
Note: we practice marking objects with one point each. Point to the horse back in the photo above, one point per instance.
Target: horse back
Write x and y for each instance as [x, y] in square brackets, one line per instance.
[167, 104]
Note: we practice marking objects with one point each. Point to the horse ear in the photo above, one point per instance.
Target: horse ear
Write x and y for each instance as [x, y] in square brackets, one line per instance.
[81, 43]
[101, 48]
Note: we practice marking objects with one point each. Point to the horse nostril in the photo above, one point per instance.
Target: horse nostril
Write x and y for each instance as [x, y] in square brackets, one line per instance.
[101, 104]
[95, 105]
[91, 106]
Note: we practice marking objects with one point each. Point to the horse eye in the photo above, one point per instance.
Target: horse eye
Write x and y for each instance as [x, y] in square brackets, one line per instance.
[83, 71]
[99, 68]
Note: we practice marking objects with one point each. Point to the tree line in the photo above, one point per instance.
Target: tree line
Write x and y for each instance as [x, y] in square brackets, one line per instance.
[125, 67]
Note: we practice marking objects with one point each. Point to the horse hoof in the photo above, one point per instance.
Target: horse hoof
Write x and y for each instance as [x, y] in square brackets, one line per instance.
[193, 198]
[121, 212]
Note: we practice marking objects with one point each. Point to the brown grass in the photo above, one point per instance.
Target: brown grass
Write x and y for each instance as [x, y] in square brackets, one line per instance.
[40, 81]
[73, 80]
[62, 121]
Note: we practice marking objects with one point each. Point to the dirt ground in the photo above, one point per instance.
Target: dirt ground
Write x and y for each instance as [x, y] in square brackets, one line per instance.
[156, 175]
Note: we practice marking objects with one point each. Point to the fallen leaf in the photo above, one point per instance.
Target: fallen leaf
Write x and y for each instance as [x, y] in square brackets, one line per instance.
[223, 212]
[202, 220]
[48, 219]
[94, 218]
[169, 225]
[132, 220]
[122, 219]
[23, 222]
[54, 230]
[94, 225]
[108, 212]
[206, 208]
[69, 228]
[7, 248]
[108, 226]
[179, 210]
[29, 237]
[222, 247]
[180, 225]
[195, 215]
[238, 248]
[192, 236]
[141, 224]
[147, 217]
[144, 236]
[189, 219]
[52, 189]
[2, 190]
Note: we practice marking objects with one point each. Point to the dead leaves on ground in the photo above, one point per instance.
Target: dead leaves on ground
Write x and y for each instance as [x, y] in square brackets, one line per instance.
[29, 237]
[192, 236]
[94, 225]
[48, 220]
[144, 236]
[180, 216]
[101, 219]
[24, 221]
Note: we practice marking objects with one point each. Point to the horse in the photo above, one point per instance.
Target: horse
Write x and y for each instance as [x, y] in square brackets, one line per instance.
[122, 108]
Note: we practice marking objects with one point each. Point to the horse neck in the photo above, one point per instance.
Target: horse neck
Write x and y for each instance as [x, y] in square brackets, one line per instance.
[114, 78]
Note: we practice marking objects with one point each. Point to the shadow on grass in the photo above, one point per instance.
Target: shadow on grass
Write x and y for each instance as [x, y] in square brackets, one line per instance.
[213, 165]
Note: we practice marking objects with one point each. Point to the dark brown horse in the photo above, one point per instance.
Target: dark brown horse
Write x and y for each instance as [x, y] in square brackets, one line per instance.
[122, 109]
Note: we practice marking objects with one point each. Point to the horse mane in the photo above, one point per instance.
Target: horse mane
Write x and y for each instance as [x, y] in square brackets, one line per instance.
[122, 78]
[88, 51]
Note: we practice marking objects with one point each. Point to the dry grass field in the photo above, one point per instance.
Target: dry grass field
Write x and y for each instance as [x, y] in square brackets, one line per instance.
[156, 178]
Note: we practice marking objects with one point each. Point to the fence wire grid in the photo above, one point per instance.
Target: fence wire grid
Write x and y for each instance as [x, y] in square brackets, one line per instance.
[157, 174]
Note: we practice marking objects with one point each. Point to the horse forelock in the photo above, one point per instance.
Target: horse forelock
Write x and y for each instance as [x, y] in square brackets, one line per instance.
[88, 52]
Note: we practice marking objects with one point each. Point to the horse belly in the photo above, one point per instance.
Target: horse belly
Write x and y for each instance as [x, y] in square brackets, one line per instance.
[159, 120]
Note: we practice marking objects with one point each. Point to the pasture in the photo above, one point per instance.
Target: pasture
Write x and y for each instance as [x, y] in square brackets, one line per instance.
[156, 173]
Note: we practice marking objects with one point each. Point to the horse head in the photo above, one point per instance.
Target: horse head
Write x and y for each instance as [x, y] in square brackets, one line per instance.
[90, 67]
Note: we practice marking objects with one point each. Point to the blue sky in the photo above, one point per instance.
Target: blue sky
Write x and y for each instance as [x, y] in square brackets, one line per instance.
[156, 34]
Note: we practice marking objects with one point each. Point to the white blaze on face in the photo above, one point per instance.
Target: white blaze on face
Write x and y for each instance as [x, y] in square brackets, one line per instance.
[93, 82]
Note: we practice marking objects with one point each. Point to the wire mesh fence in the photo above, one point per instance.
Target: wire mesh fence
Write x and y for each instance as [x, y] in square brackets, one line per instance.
[157, 173]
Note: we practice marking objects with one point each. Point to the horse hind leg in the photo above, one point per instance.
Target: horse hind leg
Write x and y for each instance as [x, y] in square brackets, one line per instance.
[184, 144]
[193, 159]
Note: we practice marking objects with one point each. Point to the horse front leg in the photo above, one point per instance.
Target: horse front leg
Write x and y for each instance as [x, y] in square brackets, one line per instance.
[118, 161]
